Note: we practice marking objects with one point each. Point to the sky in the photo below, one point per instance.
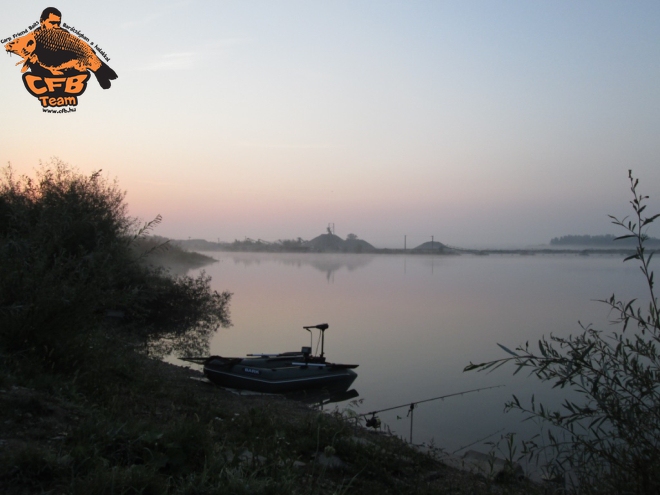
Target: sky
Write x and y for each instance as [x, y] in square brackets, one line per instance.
[480, 123]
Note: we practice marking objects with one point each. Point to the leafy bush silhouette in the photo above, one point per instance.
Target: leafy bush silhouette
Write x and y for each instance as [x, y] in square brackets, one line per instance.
[67, 260]
[609, 443]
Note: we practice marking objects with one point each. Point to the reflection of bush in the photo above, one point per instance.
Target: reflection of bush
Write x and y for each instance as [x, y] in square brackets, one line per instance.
[67, 261]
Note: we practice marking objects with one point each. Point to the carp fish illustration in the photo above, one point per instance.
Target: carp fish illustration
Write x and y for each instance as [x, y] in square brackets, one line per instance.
[57, 51]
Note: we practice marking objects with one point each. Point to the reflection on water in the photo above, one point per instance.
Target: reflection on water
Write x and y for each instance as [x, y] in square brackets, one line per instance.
[413, 323]
[321, 398]
[328, 263]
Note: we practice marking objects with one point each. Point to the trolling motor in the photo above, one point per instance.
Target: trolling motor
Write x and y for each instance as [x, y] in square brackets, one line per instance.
[322, 327]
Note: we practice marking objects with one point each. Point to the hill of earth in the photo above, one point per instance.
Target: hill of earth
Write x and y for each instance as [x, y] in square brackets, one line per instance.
[434, 246]
[334, 243]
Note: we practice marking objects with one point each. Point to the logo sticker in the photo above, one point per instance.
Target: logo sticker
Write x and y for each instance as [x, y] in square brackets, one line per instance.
[56, 62]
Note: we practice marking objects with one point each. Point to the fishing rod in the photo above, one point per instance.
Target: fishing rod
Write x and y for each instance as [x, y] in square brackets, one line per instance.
[374, 421]
[478, 441]
[429, 400]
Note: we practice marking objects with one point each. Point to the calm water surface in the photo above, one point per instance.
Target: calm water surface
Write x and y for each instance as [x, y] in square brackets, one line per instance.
[413, 323]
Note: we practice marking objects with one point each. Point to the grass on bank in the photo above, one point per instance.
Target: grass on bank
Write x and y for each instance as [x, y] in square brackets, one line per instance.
[135, 425]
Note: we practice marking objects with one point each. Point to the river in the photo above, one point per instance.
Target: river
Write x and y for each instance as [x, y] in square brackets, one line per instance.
[413, 322]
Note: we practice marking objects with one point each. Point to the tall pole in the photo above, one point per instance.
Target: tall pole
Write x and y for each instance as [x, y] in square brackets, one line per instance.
[404, 242]
[411, 413]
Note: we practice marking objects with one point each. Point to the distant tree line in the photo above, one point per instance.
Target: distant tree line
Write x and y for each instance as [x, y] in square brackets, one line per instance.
[286, 245]
[322, 243]
[598, 240]
[160, 251]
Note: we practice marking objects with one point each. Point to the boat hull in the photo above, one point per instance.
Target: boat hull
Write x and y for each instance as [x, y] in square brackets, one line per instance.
[271, 376]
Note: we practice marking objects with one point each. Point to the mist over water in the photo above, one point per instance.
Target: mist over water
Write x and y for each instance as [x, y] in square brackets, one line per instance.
[413, 323]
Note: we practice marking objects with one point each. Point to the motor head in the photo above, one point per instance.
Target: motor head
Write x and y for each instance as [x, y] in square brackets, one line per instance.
[321, 326]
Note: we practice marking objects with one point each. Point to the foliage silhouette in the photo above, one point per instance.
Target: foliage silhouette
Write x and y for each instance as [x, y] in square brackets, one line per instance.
[68, 260]
[609, 443]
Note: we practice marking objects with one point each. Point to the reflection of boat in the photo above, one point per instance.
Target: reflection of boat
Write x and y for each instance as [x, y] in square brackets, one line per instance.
[280, 373]
[323, 397]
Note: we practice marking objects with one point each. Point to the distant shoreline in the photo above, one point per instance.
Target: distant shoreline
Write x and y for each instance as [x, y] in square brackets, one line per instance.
[441, 249]
[450, 252]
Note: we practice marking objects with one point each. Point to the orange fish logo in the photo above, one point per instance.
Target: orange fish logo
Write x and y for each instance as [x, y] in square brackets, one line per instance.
[56, 63]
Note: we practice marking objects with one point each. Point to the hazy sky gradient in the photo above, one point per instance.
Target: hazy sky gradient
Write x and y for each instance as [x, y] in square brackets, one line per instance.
[485, 123]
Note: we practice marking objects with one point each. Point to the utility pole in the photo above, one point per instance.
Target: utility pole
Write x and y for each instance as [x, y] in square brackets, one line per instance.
[431, 243]
[404, 241]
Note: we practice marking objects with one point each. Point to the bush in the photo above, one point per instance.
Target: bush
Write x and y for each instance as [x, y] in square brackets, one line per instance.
[609, 443]
[179, 316]
[67, 260]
